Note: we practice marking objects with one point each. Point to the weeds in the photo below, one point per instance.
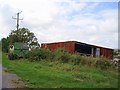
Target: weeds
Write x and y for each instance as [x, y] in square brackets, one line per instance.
[39, 54]
[63, 56]
[103, 63]
[76, 59]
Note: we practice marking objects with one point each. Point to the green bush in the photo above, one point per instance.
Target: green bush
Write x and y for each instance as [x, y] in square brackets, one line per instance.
[75, 58]
[84, 60]
[103, 63]
[39, 54]
[91, 61]
[61, 55]
[65, 57]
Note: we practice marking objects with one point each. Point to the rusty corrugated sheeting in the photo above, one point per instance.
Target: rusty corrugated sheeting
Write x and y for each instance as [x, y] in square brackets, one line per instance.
[74, 46]
[68, 45]
[107, 53]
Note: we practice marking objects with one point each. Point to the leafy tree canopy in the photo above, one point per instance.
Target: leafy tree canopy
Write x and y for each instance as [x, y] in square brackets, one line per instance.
[20, 35]
[25, 36]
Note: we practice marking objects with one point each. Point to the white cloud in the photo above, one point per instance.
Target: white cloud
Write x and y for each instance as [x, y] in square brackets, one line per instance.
[99, 29]
[70, 6]
[60, 20]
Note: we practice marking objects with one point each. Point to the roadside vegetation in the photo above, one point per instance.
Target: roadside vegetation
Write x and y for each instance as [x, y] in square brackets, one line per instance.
[42, 68]
[62, 56]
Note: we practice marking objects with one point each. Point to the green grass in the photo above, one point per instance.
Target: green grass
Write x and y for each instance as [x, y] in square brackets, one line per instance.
[46, 74]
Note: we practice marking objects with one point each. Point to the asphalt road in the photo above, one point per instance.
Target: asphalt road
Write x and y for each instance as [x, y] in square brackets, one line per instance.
[10, 80]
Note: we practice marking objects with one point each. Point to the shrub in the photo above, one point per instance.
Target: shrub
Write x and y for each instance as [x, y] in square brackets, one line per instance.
[91, 62]
[75, 58]
[84, 60]
[61, 55]
[65, 57]
[39, 54]
[103, 63]
[57, 54]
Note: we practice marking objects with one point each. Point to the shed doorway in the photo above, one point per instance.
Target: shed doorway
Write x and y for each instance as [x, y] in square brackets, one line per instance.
[83, 49]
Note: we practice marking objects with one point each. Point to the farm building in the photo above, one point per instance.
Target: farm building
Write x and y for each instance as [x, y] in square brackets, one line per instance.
[82, 48]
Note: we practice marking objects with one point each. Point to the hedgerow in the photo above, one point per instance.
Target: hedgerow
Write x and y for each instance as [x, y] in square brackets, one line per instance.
[63, 56]
[39, 54]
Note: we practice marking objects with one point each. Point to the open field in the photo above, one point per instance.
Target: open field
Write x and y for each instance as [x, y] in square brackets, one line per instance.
[46, 74]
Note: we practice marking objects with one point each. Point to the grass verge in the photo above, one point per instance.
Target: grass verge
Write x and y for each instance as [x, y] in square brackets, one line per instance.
[46, 74]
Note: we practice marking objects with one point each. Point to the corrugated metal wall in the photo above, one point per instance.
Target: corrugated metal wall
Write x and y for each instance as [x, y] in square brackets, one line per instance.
[70, 47]
[107, 53]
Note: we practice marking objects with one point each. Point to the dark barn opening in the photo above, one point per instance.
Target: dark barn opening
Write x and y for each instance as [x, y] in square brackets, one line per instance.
[83, 48]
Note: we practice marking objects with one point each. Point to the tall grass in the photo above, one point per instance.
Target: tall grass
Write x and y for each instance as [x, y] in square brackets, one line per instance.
[63, 56]
[39, 54]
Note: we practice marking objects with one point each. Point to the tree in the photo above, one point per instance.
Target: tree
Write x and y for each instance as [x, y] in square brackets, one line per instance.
[25, 36]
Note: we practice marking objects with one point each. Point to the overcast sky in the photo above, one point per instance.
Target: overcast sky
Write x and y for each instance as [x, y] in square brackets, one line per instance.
[64, 20]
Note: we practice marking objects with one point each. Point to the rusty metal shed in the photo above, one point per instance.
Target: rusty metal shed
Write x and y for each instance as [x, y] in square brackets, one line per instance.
[82, 48]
